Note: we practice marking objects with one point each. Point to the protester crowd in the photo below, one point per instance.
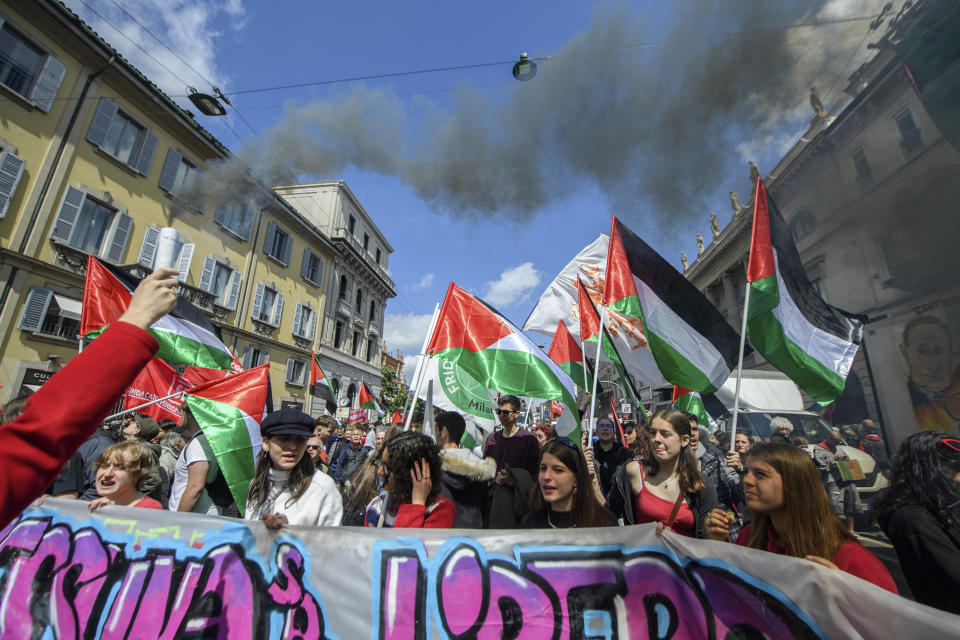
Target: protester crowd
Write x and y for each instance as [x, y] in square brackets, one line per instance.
[782, 495]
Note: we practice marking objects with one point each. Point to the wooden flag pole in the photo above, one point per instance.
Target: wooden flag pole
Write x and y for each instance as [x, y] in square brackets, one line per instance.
[743, 341]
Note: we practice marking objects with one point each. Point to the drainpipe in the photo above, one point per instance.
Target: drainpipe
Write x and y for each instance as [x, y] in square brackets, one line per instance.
[49, 177]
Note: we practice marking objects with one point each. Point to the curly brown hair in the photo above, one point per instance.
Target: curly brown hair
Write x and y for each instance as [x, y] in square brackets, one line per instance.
[399, 455]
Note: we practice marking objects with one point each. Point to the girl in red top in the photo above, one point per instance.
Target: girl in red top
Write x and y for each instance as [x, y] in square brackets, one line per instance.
[412, 474]
[120, 468]
[668, 488]
[792, 515]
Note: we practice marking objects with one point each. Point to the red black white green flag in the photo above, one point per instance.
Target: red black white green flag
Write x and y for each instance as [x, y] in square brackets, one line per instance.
[691, 402]
[788, 321]
[186, 335]
[157, 380]
[692, 343]
[498, 355]
[565, 351]
[320, 385]
[369, 401]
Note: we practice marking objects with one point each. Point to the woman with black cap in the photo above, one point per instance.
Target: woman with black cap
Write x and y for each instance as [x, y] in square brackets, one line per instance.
[286, 487]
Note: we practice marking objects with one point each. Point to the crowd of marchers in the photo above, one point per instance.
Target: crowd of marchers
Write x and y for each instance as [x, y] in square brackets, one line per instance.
[780, 495]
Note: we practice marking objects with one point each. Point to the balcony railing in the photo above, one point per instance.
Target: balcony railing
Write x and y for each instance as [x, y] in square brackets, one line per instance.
[343, 234]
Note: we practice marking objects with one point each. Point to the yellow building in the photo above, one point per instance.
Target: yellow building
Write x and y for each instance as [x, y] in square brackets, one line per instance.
[96, 160]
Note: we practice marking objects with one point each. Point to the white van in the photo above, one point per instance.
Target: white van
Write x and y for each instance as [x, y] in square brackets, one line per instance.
[767, 394]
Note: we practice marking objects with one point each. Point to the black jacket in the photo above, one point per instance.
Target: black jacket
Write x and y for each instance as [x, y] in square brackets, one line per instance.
[929, 554]
[510, 501]
[348, 462]
[465, 481]
[608, 462]
[620, 501]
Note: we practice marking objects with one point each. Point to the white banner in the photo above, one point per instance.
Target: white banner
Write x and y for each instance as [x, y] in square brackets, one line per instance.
[139, 573]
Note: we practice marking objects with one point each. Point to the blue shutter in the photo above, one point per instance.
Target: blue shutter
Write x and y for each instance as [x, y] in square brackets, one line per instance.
[287, 250]
[220, 215]
[206, 276]
[48, 81]
[145, 157]
[11, 168]
[257, 302]
[297, 319]
[169, 174]
[234, 291]
[312, 327]
[247, 358]
[117, 242]
[268, 238]
[277, 310]
[68, 214]
[35, 309]
[288, 376]
[106, 112]
[246, 223]
[148, 250]
[183, 262]
[305, 264]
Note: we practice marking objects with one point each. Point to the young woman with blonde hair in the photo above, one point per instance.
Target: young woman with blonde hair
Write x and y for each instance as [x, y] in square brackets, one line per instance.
[792, 515]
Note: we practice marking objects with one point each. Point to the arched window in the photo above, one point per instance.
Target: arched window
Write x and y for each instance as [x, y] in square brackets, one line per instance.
[373, 310]
[359, 305]
[342, 295]
[335, 387]
[351, 393]
[802, 224]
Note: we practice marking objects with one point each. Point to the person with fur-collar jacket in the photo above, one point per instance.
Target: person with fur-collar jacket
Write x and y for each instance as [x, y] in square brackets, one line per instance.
[465, 476]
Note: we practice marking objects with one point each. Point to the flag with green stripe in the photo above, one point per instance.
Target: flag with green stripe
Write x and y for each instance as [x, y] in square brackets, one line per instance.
[788, 321]
[185, 335]
[229, 412]
[693, 345]
[565, 351]
[691, 402]
[497, 354]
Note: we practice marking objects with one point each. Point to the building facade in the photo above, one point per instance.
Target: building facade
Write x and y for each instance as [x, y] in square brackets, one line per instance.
[96, 160]
[870, 195]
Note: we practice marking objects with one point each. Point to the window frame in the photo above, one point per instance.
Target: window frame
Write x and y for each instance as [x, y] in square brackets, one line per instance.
[68, 216]
[308, 257]
[47, 77]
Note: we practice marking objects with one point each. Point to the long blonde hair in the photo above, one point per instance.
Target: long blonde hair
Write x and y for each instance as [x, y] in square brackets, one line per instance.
[812, 526]
[688, 471]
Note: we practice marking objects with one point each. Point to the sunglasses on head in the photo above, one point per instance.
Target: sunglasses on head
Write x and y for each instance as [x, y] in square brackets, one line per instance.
[950, 443]
[504, 412]
[565, 441]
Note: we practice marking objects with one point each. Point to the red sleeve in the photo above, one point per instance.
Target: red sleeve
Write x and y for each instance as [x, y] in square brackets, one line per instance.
[411, 516]
[855, 559]
[146, 502]
[743, 539]
[65, 411]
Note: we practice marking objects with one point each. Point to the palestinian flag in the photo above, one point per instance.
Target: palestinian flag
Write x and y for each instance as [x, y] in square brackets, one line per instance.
[397, 418]
[565, 351]
[320, 385]
[691, 402]
[497, 354]
[368, 401]
[692, 343]
[788, 321]
[186, 335]
[229, 412]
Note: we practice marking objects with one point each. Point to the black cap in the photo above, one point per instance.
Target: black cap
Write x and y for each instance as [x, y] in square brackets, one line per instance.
[287, 422]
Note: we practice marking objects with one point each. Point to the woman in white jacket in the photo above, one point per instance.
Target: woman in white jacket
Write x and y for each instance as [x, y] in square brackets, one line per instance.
[286, 487]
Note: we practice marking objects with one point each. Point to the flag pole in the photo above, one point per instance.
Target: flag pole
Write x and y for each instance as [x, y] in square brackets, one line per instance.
[137, 408]
[596, 373]
[418, 373]
[736, 395]
[416, 393]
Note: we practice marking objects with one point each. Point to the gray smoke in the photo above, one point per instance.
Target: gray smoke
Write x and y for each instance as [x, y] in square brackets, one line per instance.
[654, 128]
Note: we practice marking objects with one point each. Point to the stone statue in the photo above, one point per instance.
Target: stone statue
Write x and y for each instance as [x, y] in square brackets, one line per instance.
[714, 225]
[817, 103]
[735, 201]
[754, 173]
[699, 244]
[683, 260]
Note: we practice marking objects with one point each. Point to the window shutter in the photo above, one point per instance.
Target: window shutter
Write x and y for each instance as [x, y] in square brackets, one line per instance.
[257, 301]
[287, 250]
[35, 309]
[305, 264]
[147, 147]
[297, 319]
[288, 377]
[117, 242]
[106, 112]
[312, 326]
[67, 215]
[277, 310]
[234, 291]
[11, 168]
[220, 215]
[48, 81]
[169, 174]
[247, 358]
[268, 238]
[183, 263]
[247, 221]
[148, 250]
[206, 276]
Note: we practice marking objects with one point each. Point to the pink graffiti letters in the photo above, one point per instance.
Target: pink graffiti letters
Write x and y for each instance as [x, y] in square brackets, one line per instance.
[84, 582]
[554, 592]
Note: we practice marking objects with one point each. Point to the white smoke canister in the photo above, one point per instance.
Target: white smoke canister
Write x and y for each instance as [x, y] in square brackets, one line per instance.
[166, 248]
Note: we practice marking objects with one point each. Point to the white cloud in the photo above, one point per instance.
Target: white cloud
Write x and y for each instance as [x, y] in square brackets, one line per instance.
[513, 287]
[185, 26]
[405, 331]
[425, 282]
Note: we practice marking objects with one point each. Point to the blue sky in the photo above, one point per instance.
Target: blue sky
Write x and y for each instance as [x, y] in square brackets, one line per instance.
[649, 110]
